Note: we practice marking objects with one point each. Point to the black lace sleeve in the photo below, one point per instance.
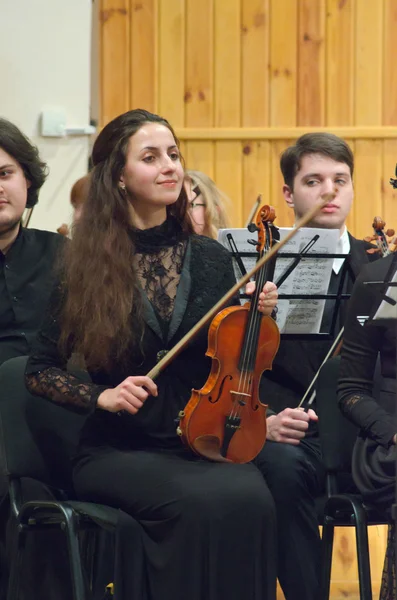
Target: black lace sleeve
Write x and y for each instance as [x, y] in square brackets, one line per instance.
[46, 373]
[361, 345]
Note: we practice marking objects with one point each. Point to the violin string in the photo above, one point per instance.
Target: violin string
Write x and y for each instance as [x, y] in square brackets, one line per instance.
[244, 362]
[251, 341]
[251, 344]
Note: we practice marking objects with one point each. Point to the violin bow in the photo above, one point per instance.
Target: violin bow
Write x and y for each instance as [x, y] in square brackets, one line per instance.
[254, 209]
[183, 342]
[333, 351]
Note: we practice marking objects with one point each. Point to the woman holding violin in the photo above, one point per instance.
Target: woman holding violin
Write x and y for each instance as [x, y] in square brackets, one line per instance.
[135, 280]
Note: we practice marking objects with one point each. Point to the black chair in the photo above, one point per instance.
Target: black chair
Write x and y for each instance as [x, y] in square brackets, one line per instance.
[344, 507]
[38, 439]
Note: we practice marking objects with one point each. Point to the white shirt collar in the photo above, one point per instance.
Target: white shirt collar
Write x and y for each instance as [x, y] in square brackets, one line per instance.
[342, 247]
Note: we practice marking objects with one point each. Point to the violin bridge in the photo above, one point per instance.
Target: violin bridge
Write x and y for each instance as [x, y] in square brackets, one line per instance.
[241, 396]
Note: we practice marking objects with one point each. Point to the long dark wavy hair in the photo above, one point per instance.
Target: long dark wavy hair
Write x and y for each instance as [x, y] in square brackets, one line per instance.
[99, 281]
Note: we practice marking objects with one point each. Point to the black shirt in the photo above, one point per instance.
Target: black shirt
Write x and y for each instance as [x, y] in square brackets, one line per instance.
[26, 272]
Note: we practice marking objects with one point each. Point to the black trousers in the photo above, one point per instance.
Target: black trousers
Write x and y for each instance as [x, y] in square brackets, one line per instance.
[295, 476]
[203, 531]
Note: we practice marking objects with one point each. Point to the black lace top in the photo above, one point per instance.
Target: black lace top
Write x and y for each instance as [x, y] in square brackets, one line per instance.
[181, 277]
[361, 346]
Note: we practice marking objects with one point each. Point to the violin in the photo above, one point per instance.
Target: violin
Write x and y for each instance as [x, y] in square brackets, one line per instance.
[225, 421]
[386, 242]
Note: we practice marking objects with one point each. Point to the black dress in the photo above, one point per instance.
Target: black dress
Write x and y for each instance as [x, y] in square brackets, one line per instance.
[203, 531]
[374, 456]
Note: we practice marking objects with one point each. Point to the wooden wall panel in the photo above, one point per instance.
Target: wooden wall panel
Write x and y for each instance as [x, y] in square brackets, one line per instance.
[311, 61]
[255, 72]
[283, 62]
[230, 180]
[227, 63]
[143, 54]
[369, 63]
[199, 91]
[115, 58]
[285, 216]
[171, 60]
[256, 175]
[200, 157]
[339, 65]
[367, 182]
[389, 195]
[389, 91]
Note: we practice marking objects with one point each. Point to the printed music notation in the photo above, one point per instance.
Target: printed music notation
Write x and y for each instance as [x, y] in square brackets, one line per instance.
[310, 276]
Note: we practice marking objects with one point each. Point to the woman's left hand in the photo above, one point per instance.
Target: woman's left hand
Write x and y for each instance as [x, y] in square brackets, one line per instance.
[267, 298]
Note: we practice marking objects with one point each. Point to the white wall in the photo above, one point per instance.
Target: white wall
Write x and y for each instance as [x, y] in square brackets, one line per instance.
[45, 55]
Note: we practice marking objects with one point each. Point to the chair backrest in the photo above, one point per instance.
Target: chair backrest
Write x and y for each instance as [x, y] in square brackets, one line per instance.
[337, 434]
[38, 437]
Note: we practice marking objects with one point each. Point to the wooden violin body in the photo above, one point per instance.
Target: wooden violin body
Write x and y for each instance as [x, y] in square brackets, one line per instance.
[233, 425]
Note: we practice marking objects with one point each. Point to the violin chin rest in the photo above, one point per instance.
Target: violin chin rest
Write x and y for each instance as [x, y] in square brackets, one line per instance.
[209, 446]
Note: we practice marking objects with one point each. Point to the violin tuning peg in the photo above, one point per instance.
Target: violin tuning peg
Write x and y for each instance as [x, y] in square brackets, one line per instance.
[252, 242]
[252, 228]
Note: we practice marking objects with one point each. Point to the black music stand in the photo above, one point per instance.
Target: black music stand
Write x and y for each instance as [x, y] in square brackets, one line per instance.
[295, 259]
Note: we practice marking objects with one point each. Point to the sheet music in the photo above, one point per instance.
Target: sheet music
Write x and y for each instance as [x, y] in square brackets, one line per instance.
[385, 309]
[310, 276]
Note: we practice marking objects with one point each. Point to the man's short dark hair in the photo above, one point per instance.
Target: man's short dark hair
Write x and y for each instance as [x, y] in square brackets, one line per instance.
[17, 145]
[327, 144]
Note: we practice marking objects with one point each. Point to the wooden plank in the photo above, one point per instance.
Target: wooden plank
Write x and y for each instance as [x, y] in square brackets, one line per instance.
[115, 58]
[256, 174]
[280, 133]
[228, 177]
[200, 157]
[143, 54]
[389, 195]
[227, 63]
[283, 62]
[285, 216]
[339, 69]
[368, 76]
[255, 63]
[311, 62]
[199, 63]
[389, 63]
[344, 575]
[368, 185]
[171, 73]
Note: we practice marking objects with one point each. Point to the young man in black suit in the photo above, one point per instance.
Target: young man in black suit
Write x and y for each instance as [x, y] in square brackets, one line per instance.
[318, 164]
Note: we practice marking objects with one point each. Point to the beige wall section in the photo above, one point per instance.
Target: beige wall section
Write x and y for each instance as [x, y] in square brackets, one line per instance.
[240, 80]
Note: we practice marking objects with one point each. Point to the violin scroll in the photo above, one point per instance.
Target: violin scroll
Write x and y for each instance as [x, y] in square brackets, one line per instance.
[386, 241]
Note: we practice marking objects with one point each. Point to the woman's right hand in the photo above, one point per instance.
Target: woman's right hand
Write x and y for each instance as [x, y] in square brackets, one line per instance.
[129, 395]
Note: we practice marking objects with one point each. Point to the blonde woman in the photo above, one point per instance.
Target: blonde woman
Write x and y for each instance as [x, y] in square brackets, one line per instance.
[207, 204]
